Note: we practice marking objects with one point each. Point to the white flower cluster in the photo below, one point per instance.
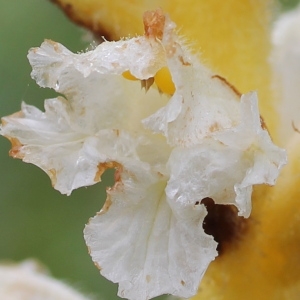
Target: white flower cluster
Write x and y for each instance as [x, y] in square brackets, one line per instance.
[169, 151]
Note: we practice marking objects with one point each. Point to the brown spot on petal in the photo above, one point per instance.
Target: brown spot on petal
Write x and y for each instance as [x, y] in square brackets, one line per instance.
[102, 167]
[182, 282]
[154, 23]
[185, 63]
[214, 127]
[263, 124]
[18, 114]
[147, 83]
[232, 87]
[224, 224]
[293, 125]
[106, 206]
[55, 45]
[97, 265]
[52, 175]
[117, 132]
[148, 278]
[16, 147]
[89, 250]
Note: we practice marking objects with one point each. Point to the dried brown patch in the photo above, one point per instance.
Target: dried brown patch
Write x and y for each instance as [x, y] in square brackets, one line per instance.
[232, 87]
[97, 265]
[52, 175]
[54, 44]
[106, 206]
[154, 23]
[148, 278]
[224, 224]
[89, 250]
[214, 127]
[16, 147]
[147, 83]
[18, 114]
[117, 132]
[102, 167]
[182, 282]
[295, 128]
[185, 63]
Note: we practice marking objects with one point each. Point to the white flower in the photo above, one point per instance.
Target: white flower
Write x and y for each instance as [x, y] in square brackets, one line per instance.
[286, 63]
[170, 152]
[26, 281]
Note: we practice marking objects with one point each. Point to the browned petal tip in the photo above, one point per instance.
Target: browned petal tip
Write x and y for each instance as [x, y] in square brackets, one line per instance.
[154, 23]
[16, 147]
[52, 174]
[97, 265]
[106, 206]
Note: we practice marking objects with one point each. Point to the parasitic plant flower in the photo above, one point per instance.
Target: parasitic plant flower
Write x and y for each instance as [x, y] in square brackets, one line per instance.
[190, 136]
[190, 141]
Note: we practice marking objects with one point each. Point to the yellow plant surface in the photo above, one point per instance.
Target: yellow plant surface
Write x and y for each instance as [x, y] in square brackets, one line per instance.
[232, 36]
[233, 39]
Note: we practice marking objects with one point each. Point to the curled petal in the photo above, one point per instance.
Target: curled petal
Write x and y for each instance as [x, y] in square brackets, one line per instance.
[225, 166]
[69, 157]
[138, 240]
[202, 103]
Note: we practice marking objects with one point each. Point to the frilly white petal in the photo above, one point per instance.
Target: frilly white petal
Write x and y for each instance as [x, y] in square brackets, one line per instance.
[70, 158]
[52, 61]
[140, 241]
[225, 166]
[202, 103]
[202, 142]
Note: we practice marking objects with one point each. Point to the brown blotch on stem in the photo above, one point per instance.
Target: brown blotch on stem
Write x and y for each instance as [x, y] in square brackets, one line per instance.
[154, 23]
[224, 224]
[233, 88]
[99, 30]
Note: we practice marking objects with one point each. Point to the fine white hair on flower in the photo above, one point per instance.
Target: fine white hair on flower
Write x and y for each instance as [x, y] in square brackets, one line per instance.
[201, 139]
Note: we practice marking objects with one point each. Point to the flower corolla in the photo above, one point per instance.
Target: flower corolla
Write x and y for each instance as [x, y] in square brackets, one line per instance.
[201, 139]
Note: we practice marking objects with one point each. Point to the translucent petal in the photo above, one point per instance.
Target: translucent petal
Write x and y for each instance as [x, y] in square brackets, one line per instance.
[69, 157]
[203, 102]
[91, 81]
[141, 242]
